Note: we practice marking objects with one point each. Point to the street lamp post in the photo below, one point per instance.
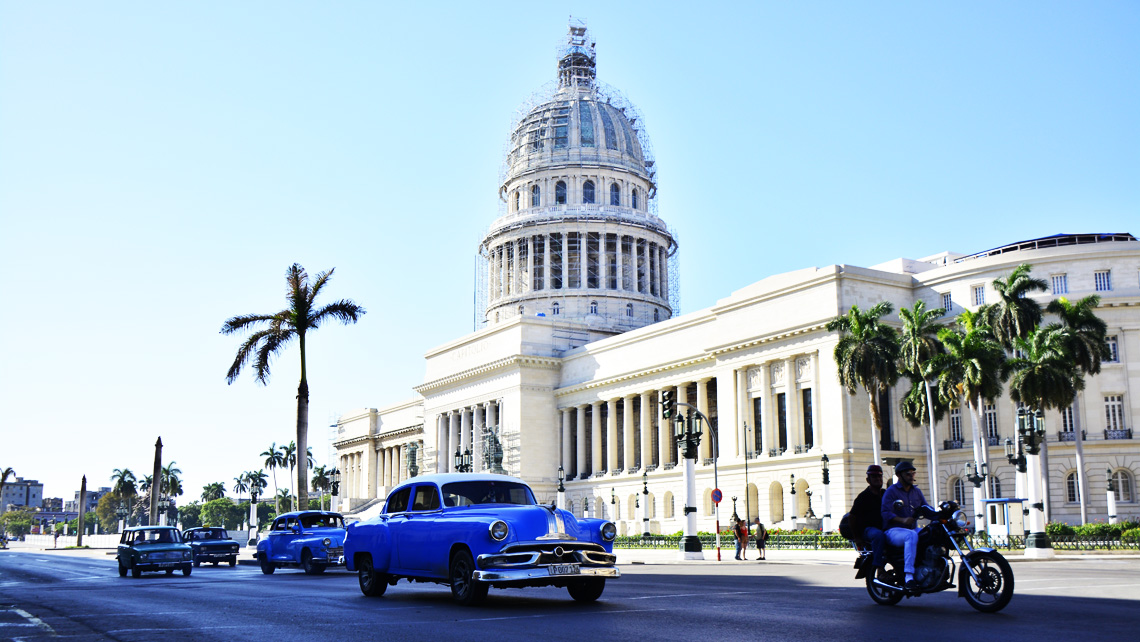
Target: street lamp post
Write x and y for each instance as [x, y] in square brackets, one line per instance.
[413, 459]
[734, 505]
[1016, 457]
[335, 477]
[253, 497]
[1111, 488]
[645, 504]
[793, 501]
[688, 441]
[976, 474]
[172, 513]
[826, 494]
[1031, 429]
[613, 505]
[561, 488]
[121, 513]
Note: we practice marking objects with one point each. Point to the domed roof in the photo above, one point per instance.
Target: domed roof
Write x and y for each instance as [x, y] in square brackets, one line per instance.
[578, 121]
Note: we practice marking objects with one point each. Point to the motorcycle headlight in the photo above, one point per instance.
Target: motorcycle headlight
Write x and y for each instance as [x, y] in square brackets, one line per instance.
[499, 530]
[959, 519]
[609, 531]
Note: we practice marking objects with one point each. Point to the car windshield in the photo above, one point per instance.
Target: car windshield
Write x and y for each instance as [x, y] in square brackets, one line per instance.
[321, 521]
[157, 536]
[213, 533]
[470, 493]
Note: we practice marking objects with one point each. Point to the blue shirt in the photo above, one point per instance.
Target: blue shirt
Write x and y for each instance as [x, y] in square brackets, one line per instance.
[912, 499]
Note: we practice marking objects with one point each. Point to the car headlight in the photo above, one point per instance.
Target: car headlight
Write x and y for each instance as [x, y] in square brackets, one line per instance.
[185, 555]
[144, 556]
[499, 530]
[609, 531]
[326, 541]
[959, 518]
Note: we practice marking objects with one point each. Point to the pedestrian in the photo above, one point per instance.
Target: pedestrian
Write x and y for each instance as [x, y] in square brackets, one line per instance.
[740, 534]
[761, 539]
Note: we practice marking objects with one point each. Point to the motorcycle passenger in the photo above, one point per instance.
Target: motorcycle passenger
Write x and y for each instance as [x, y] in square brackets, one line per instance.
[900, 521]
[867, 517]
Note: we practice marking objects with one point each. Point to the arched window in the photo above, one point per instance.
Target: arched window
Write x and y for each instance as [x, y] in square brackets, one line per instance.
[615, 194]
[668, 505]
[656, 315]
[651, 504]
[518, 200]
[593, 307]
[629, 309]
[520, 310]
[634, 198]
[1122, 481]
[1072, 488]
[995, 486]
[554, 309]
[535, 195]
[560, 193]
[958, 491]
[709, 506]
[588, 192]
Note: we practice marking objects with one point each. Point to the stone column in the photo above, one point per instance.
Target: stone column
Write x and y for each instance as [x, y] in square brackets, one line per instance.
[580, 462]
[662, 262]
[743, 413]
[546, 262]
[620, 263]
[566, 444]
[596, 464]
[370, 478]
[477, 424]
[767, 428]
[703, 406]
[398, 462]
[730, 430]
[465, 428]
[452, 439]
[795, 427]
[630, 454]
[815, 399]
[646, 431]
[611, 435]
[441, 443]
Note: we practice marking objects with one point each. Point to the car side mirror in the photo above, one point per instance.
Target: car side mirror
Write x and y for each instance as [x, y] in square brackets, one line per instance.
[296, 530]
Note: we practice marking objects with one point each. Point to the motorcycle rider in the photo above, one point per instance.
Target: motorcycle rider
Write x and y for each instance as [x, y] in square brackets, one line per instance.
[899, 521]
[867, 516]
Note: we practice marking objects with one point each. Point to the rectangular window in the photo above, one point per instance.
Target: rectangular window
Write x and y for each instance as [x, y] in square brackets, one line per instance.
[955, 424]
[626, 261]
[979, 295]
[1103, 280]
[809, 429]
[782, 419]
[611, 261]
[1114, 412]
[573, 260]
[1067, 420]
[947, 302]
[886, 439]
[593, 240]
[508, 283]
[537, 264]
[991, 421]
[1060, 284]
[1113, 350]
[757, 423]
[586, 124]
[556, 261]
[641, 274]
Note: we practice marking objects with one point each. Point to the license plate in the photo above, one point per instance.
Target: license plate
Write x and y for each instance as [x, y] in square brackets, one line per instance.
[563, 569]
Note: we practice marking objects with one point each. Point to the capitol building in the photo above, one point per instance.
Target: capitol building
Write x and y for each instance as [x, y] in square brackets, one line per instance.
[579, 335]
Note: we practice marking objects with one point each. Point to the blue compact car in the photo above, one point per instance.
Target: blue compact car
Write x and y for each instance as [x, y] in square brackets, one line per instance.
[476, 531]
[313, 540]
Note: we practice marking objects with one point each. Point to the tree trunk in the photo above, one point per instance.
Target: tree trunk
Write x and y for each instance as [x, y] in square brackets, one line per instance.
[302, 445]
[1078, 438]
[876, 454]
[932, 444]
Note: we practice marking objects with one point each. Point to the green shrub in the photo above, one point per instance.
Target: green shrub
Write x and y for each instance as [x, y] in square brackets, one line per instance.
[1130, 536]
[1059, 531]
[1098, 530]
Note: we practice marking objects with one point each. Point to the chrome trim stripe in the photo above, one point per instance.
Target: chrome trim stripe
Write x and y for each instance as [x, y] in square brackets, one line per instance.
[539, 574]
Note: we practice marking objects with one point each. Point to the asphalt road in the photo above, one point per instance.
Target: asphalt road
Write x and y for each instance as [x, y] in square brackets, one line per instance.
[48, 595]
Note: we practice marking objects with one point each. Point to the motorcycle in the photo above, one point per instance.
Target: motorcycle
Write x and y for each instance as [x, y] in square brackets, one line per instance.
[984, 577]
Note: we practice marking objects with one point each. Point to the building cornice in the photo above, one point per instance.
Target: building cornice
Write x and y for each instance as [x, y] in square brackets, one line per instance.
[516, 361]
[751, 343]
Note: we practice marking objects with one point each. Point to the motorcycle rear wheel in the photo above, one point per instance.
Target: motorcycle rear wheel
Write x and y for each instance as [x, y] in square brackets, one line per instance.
[994, 588]
[881, 595]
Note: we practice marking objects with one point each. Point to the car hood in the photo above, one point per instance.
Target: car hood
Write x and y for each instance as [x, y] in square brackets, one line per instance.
[536, 522]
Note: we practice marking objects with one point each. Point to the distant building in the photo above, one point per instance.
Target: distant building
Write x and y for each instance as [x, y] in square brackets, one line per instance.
[53, 504]
[23, 493]
[92, 500]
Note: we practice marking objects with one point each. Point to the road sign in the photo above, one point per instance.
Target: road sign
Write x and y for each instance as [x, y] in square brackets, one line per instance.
[717, 495]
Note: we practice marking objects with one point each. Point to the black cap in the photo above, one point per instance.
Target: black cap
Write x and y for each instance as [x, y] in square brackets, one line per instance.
[903, 466]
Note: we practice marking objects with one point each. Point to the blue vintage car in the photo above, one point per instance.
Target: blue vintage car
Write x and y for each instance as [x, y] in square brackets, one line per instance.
[311, 539]
[476, 531]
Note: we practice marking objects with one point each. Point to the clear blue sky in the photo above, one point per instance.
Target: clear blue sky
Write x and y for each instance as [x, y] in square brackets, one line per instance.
[161, 164]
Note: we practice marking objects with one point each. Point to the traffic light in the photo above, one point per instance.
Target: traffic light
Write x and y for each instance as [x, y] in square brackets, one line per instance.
[667, 404]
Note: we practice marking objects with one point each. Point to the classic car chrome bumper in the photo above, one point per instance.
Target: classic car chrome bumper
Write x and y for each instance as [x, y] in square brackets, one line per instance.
[541, 573]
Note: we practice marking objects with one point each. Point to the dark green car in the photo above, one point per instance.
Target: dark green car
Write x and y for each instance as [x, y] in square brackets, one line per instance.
[153, 548]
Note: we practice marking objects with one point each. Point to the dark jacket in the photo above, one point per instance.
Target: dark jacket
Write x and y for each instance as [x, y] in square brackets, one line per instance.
[866, 511]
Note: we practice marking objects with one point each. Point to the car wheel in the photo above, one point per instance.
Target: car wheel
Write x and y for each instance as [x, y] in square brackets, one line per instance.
[311, 567]
[464, 588]
[170, 571]
[185, 569]
[122, 569]
[267, 567]
[372, 584]
[587, 590]
[233, 561]
[136, 571]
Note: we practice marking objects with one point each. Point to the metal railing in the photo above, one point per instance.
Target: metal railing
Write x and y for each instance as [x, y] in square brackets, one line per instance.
[952, 444]
[1123, 433]
[820, 541]
[1069, 435]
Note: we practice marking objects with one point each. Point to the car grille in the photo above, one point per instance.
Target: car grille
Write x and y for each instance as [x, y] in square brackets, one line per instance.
[166, 556]
[537, 554]
[334, 551]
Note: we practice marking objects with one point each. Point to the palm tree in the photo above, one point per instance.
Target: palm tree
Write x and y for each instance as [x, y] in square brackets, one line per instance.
[4, 475]
[1014, 315]
[321, 482]
[145, 484]
[212, 491]
[289, 454]
[241, 484]
[971, 368]
[125, 484]
[171, 482]
[1045, 376]
[284, 499]
[257, 479]
[867, 355]
[918, 345]
[274, 459]
[1084, 337]
[294, 322]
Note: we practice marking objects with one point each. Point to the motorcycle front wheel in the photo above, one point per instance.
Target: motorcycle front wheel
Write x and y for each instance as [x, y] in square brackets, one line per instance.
[886, 597]
[993, 588]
